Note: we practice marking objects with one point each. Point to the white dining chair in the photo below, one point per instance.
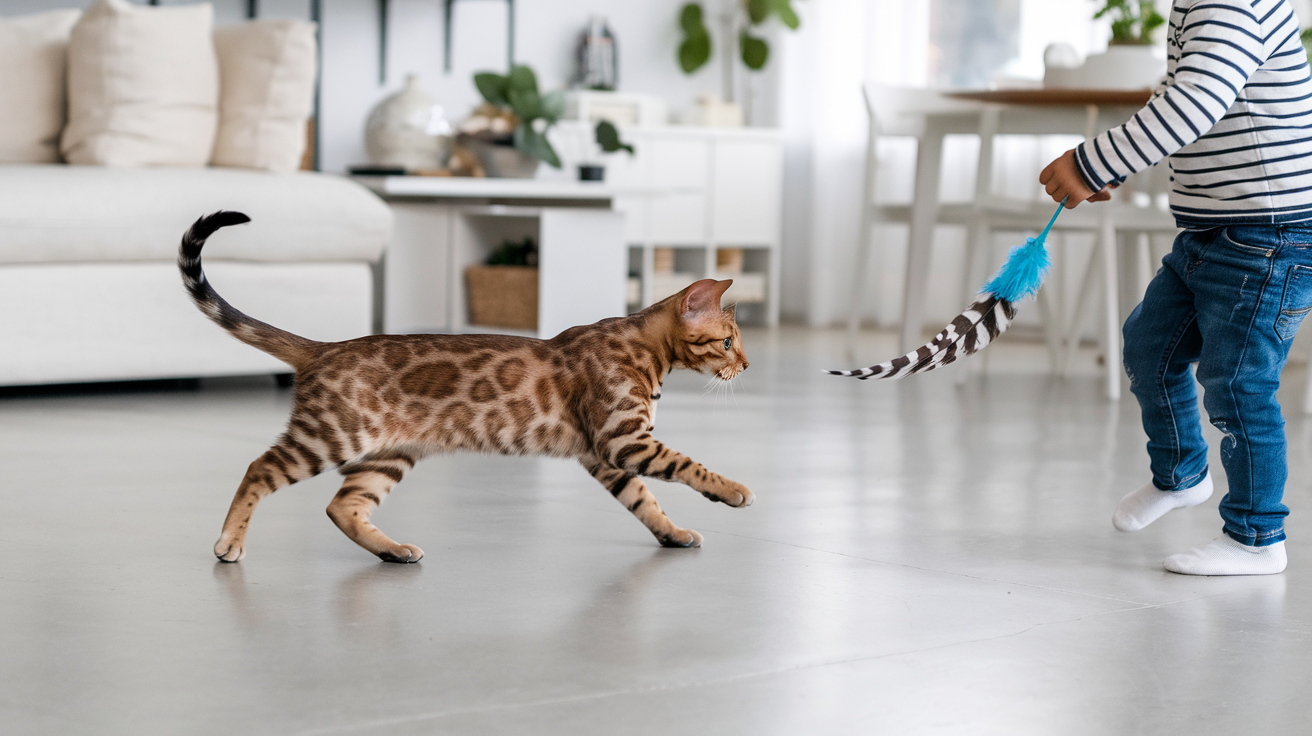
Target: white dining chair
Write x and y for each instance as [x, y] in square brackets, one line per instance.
[894, 112]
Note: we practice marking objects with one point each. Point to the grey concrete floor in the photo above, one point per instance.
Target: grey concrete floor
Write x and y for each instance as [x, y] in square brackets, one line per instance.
[921, 558]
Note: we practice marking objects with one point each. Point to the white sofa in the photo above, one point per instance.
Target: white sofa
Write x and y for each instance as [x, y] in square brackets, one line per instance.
[89, 289]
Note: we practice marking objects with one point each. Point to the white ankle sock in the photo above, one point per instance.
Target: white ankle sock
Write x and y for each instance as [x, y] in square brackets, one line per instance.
[1225, 556]
[1148, 504]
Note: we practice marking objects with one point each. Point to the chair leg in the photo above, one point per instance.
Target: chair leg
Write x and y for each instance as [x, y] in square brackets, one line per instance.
[1143, 261]
[1112, 308]
[1307, 394]
[1077, 310]
[858, 294]
[865, 238]
[1050, 317]
[1051, 335]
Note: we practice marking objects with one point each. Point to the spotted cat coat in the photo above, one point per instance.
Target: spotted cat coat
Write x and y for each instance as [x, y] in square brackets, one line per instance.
[374, 406]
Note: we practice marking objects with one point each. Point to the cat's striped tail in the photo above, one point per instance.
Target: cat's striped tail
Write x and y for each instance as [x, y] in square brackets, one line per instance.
[970, 332]
[293, 350]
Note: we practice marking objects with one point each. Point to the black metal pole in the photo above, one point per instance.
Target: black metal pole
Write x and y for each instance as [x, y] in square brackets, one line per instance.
[382, 41]
[510, 34]
[252, 9]
[446, 34]
[316, 15]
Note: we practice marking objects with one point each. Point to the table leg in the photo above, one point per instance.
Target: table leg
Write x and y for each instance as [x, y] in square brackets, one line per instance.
[1111, 307]
[920, 242]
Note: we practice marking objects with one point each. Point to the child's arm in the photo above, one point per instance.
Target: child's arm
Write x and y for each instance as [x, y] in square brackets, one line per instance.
[1221, 44]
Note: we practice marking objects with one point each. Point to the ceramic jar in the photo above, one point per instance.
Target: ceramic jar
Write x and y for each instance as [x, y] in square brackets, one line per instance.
[408, 129]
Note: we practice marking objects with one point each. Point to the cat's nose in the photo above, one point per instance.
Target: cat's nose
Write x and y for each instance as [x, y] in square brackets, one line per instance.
[745, 364]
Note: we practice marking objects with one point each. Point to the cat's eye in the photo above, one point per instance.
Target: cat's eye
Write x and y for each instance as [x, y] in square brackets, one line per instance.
[728, 343]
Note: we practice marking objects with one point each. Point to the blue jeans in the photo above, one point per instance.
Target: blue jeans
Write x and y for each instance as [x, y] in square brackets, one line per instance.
[1229, 299]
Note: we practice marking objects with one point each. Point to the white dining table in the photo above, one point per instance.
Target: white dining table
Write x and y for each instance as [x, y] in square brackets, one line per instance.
[1084, 112]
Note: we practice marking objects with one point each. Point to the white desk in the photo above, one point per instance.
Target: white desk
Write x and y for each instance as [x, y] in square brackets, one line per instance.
[445, 223]
[1021, 112]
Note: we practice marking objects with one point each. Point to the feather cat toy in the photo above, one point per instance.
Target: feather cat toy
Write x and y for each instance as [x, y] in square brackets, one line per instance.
[989, 316]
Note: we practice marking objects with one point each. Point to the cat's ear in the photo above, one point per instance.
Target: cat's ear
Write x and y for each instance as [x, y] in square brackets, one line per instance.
[703, 298]
[730, 310]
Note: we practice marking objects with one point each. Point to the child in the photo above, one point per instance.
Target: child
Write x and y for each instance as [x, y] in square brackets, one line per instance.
[1234, 115]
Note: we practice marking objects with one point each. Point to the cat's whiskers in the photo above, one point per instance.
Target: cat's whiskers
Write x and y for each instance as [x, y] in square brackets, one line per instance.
[711, 384]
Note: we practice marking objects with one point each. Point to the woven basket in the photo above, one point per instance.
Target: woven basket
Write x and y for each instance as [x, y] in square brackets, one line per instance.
[503, 296]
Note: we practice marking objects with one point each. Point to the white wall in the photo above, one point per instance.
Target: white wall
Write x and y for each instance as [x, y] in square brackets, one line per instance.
[546, 33]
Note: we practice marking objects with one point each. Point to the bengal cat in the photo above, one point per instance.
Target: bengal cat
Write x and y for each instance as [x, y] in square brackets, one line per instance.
[373, 406]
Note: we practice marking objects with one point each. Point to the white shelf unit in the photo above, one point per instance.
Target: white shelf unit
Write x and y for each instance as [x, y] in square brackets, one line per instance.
[443, 225]
[696, 190]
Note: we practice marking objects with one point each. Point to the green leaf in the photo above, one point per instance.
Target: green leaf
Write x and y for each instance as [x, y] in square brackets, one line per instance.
[758, 10]
[694, 52]
[784, 9]
[523, 79]
[690, 19]
[492, 87]
[755, 51]
[608, 138]
[536, 144]
[553, 105]
[526, 104]
[695, 49]
[1150, 21]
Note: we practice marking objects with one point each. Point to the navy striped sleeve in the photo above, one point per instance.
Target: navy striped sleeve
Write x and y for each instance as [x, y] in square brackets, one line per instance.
[1221, 45]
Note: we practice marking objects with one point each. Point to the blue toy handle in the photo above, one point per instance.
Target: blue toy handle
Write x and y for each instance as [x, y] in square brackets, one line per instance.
[1044, 235]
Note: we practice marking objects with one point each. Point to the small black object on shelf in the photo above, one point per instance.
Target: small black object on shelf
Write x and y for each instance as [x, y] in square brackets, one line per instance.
[515, 253]
[377, 170]
[592, 172]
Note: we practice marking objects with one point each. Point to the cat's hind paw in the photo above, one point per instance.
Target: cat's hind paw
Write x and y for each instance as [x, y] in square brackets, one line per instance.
[682, 538]
[404, 553]
[228, 551]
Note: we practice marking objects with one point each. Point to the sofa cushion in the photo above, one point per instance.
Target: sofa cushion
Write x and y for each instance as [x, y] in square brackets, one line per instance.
[143, 86]
[57, 213]
[33, 65]
[266, 81]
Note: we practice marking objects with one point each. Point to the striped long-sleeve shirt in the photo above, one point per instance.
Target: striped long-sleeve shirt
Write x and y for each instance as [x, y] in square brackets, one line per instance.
[1234, 115]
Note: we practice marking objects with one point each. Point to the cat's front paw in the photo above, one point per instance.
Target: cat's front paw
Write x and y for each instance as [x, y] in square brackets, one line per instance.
[682, 538]
[404, 553]
[228, 550]
[733, 494]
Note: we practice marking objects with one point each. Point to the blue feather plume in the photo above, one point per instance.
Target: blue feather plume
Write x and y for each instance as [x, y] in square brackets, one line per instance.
[1025, 269]
[1022, 274]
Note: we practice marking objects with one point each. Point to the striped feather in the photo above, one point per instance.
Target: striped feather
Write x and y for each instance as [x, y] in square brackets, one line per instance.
[968, 333]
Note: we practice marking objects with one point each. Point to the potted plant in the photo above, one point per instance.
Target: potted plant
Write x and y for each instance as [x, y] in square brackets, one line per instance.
[740, 21]
[1131, 60]
[1133, 21]
[508, 132]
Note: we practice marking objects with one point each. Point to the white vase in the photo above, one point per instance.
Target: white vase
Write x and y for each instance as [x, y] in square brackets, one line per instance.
[1121, 66]
[408, 130]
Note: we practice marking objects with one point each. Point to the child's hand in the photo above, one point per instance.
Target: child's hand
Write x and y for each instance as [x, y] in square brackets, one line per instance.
[1061, 179]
